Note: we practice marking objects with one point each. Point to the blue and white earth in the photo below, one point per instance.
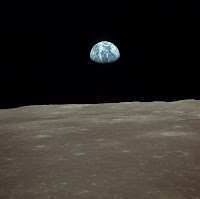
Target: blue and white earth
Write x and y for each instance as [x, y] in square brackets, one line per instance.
[104, 52]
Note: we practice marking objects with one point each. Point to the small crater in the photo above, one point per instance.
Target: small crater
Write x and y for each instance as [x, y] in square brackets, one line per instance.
[171, 133]
[79, 145]
[81, 192]
[9, 159]
[79, 154]
[125, 151]
[64, 183]
[156, 111]
[177, 126]
[110, 144]
[42, 136]
[40, 146]
[158, 157]
[172, 154]
[99, 140]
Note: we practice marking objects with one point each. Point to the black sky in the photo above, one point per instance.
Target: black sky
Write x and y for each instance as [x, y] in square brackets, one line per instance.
[45, 48]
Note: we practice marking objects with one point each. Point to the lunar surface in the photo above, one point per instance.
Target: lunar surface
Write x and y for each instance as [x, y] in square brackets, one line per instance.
[133, 150]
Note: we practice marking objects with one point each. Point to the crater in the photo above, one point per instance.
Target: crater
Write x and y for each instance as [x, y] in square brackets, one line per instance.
[42, 136]
[172, 133]
[79, 154]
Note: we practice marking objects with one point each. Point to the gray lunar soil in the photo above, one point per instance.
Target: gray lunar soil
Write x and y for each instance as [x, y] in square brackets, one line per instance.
[133, 150]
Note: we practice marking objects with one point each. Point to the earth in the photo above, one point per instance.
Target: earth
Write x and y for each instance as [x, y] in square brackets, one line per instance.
[104, 52]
